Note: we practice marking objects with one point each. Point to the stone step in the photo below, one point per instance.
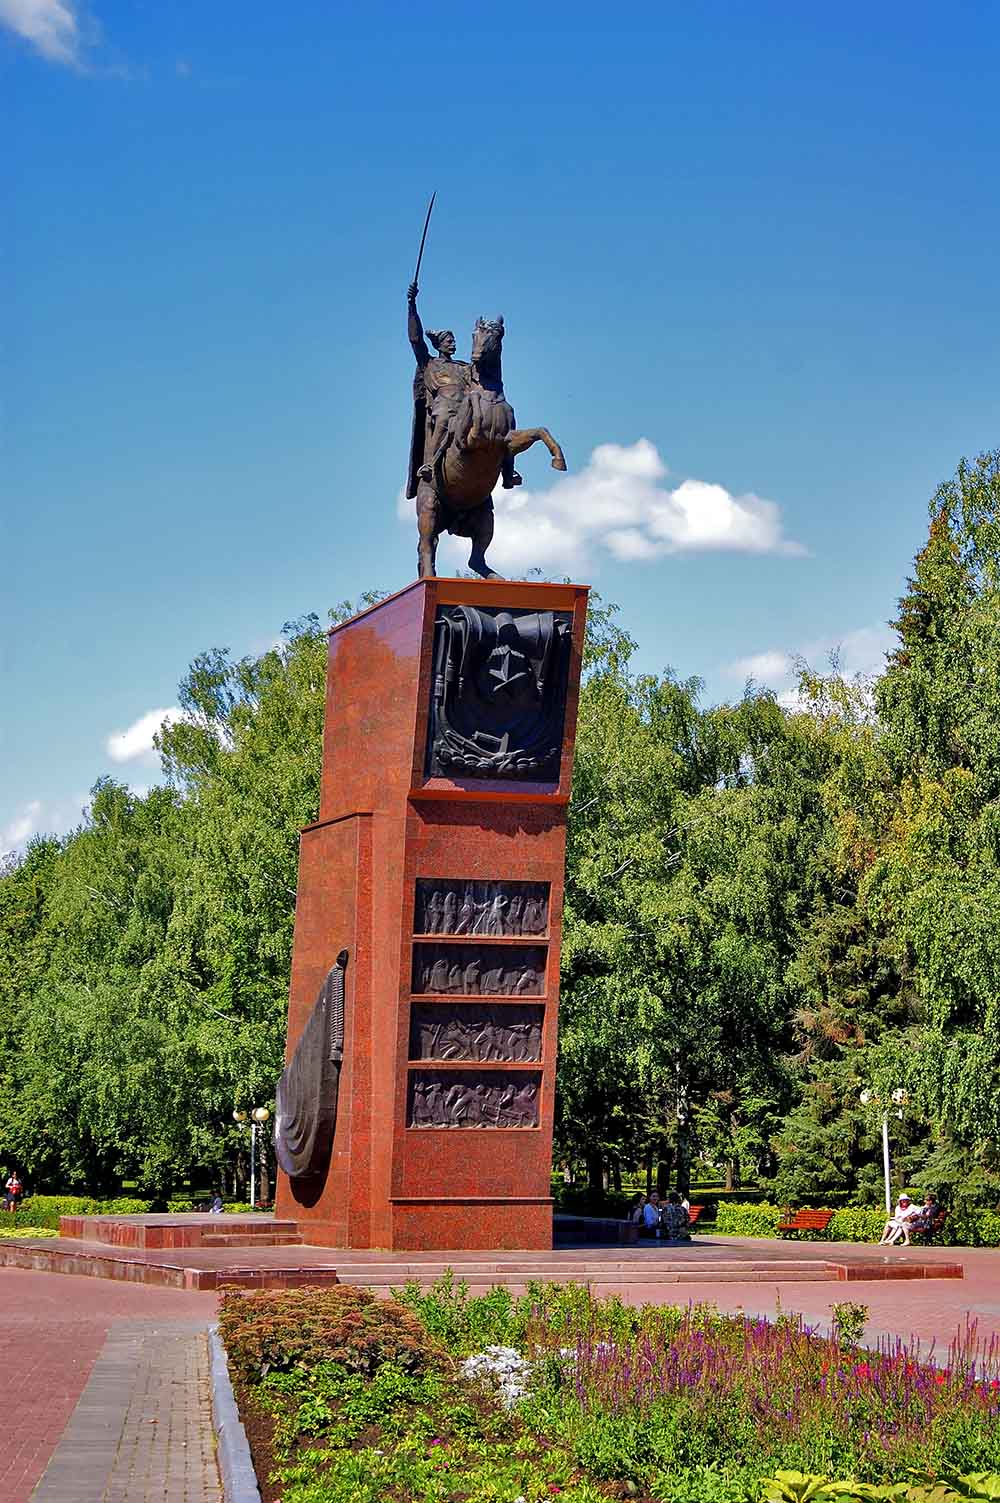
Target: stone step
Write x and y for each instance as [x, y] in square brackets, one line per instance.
[242, 1239]
[652, 1291]
[595, 1277]
[528, 1267]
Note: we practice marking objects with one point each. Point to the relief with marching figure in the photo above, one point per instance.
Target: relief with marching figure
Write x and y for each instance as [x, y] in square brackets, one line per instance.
[447, 1030]
[442, 1098]
[490, 909]
[479, 970]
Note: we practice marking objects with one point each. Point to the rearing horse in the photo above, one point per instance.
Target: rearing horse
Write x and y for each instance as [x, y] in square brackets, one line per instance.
[478, 447]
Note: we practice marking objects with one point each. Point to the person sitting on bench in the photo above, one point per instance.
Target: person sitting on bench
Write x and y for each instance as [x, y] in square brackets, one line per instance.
[899, 1223]
[675, 1220]
[930, 1218]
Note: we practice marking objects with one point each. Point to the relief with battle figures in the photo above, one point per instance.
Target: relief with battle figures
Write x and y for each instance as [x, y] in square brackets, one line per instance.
[490, 909]
[442, 1098]
[446, 1030]
[479, 970]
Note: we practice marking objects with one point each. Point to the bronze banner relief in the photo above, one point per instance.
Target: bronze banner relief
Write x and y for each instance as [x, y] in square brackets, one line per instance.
[479, 970]
[498, 704]
[444, 1098]
[306, 1109]
[449, 1030]
[481, 908]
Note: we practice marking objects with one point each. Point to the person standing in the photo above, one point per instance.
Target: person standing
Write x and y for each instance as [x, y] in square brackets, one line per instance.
[651, 1214]
[13, 1190]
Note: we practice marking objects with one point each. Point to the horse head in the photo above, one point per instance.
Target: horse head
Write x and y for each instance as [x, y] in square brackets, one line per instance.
[487, 342]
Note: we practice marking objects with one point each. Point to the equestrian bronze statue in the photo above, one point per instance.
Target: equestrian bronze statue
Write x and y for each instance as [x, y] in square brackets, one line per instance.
[464, 439]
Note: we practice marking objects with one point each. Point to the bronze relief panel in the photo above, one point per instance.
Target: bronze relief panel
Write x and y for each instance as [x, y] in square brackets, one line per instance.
[479, 970]
[490, 909]
[470, 1031]
[464, 1098]
[498, 700]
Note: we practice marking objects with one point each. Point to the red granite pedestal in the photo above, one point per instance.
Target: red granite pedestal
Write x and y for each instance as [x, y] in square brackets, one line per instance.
[390, 838]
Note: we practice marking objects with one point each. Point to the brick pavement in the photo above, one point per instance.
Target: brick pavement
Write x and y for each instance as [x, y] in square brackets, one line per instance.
[142, 1429]
[54, 1327]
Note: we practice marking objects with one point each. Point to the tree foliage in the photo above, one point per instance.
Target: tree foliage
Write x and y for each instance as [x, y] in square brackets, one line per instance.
[767, 909]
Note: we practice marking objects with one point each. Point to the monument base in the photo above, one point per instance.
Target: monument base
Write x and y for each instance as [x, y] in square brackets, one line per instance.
[213, 1252]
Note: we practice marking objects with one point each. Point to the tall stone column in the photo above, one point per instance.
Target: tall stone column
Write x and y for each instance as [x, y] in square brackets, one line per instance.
[415, 1111]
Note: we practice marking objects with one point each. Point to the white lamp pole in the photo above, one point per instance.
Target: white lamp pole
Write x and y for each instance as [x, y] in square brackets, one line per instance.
[899, 1098]
[258, 1117]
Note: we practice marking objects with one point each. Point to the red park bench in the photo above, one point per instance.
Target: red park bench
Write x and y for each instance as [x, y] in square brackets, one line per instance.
[805, 1221]
[933, 1229]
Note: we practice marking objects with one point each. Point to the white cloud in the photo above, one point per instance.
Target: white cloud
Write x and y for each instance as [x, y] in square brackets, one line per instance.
[858, 653]
[620, 502]
[52, 27]
[137, 739]
[38, 817]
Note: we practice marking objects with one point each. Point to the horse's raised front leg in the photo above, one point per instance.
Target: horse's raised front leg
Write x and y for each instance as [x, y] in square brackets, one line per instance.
[523, 438]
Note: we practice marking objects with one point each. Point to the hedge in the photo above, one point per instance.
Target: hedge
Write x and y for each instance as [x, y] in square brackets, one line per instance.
[964, 1228]
[45, 1210]
[231, 1207]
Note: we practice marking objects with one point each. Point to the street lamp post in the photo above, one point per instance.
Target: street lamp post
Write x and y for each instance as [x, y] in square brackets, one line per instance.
[899, 1099]
[258, 1117]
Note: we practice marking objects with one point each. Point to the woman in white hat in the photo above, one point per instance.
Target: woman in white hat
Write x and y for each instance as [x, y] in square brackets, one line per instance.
[900, 1222]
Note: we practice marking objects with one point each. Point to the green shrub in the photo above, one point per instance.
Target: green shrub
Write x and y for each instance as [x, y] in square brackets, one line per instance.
[580, 1200]
[742, 1220]
[964, 1228]
[231, 1207]
[849, 1321]
[972, 1228]
[854, 1224]
[45, 1210]
[48, 1208]
[23, 1230]
[281, 1330]
[799, 1487]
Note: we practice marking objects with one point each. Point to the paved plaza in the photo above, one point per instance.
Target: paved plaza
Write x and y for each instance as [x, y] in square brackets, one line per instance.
[104, 1387]
[88, 1366]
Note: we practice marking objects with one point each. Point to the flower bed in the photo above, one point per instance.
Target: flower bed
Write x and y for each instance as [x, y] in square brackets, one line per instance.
[443, 1398]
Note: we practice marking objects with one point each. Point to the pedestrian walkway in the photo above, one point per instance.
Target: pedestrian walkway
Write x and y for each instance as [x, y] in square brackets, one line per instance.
[142, 1429]
[55, 1335]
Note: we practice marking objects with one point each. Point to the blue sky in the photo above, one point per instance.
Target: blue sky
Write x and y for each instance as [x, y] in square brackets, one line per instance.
[745, 252]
